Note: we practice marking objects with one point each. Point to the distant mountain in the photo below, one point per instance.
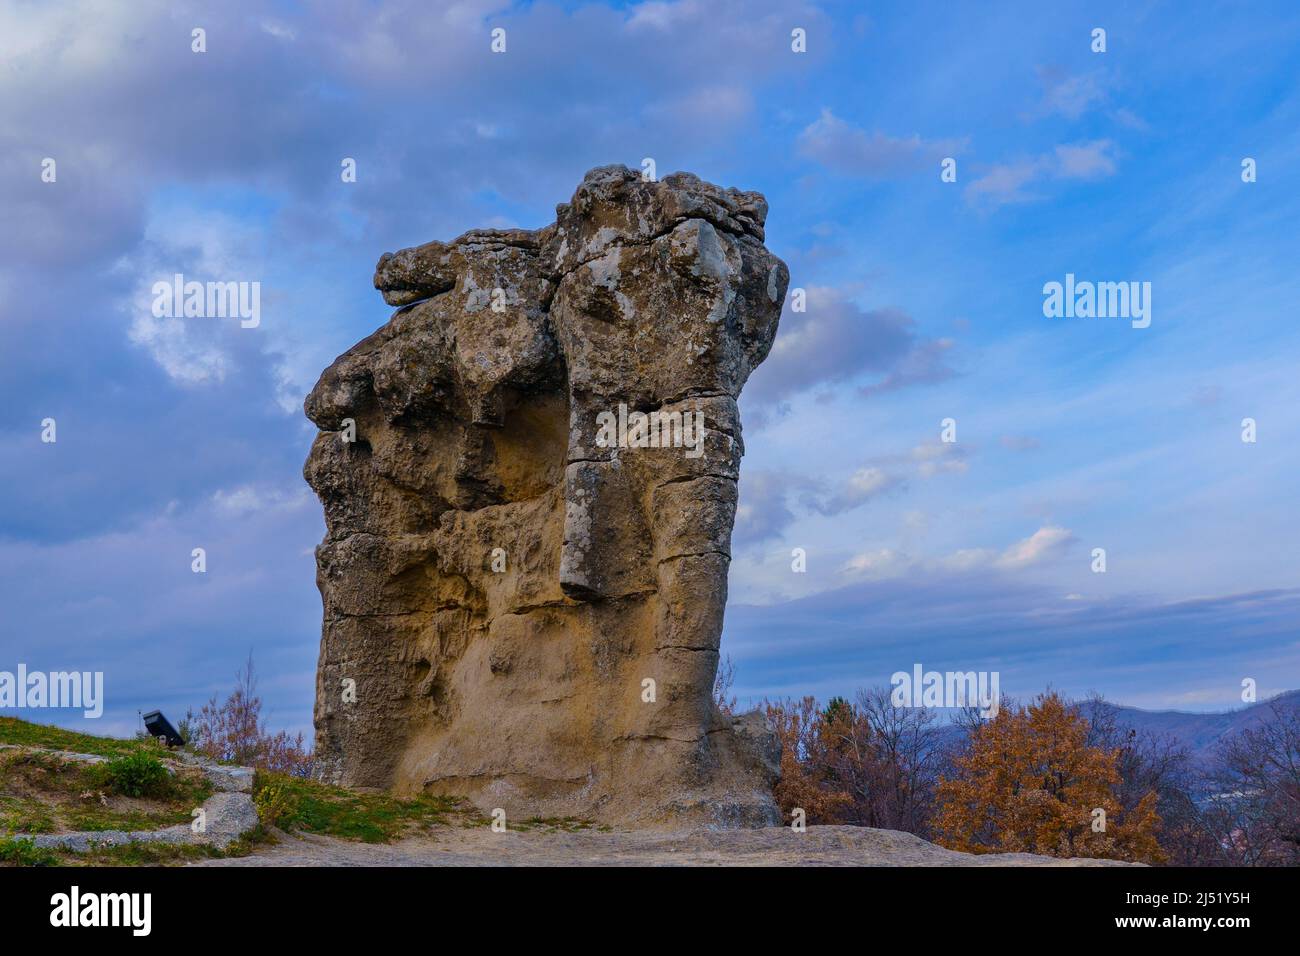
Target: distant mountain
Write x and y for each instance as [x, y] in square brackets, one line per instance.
[1199, 733]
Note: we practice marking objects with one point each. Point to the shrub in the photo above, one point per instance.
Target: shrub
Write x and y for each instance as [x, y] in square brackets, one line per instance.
[139, 774]
[234, 732]
[276, 805]
[722, 695]
[25, 853]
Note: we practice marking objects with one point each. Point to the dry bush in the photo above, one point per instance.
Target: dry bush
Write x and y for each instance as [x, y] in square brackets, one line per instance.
[867, 763]
[804, 784]
[1157, 763]
[233, 731]
[722, 696]
[1256, 780]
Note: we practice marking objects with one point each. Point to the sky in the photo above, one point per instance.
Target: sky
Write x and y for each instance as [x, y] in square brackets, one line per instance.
[924, 303]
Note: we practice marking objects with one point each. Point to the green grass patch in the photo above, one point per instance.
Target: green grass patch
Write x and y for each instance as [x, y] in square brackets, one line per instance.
[564, 824]
[25, 734]
[138, 854]
[25, 816]
[163, 854]
[95, 818]
[25, 853]
[44, 792]
[138, 774]
[248, 842]
[368, 817]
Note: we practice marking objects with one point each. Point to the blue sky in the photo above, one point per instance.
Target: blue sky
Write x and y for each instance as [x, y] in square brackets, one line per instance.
[924, 303]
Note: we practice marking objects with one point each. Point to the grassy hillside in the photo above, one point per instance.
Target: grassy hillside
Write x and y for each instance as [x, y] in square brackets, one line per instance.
[23, 734]
[42, 790]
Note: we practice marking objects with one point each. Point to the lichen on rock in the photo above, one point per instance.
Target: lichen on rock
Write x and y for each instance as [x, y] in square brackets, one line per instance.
[518, 609]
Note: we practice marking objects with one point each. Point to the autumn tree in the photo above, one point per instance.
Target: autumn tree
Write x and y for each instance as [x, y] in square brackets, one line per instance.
[865, 762]
[800, 727]
[1158, 762]
[886, 757]
[839, 757]
[1029, 782]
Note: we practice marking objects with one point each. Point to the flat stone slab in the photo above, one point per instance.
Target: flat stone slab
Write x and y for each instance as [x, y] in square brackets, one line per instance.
[65, 754]
[226, 816]
[230, 779]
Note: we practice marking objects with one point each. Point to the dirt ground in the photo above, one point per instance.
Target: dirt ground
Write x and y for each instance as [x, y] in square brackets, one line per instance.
[479, 846]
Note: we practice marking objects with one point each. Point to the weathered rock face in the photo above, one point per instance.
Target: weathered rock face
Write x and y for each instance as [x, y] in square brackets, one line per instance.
[526, 560]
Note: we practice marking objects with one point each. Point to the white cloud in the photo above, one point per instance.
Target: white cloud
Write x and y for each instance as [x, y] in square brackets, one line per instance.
[1071, 96]
[709, 104]
[170, 342]
[205, 247]
[882, 562]
[1045, 544]
[936, 458]
[862, 486]
[836, 340]
[868, 481]
[660, 16]
[279, 30]
[1006, 183]
[251, 499]
[1086, 160]
[849, 149]
[1042, 545]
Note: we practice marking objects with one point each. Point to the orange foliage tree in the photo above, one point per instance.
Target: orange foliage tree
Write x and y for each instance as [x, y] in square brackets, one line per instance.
[801, 728]
[864, 763]
[1030, 783]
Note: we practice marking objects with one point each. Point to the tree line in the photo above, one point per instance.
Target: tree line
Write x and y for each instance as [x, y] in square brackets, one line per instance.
[1052, 776]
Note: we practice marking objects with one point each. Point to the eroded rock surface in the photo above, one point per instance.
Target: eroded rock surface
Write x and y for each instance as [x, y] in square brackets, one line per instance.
[506, 567]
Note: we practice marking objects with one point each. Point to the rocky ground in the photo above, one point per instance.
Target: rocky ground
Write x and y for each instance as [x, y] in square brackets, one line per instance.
[774, 846]
[421, 831]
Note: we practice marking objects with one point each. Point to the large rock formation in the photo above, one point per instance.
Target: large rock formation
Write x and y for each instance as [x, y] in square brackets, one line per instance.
[529, 480]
